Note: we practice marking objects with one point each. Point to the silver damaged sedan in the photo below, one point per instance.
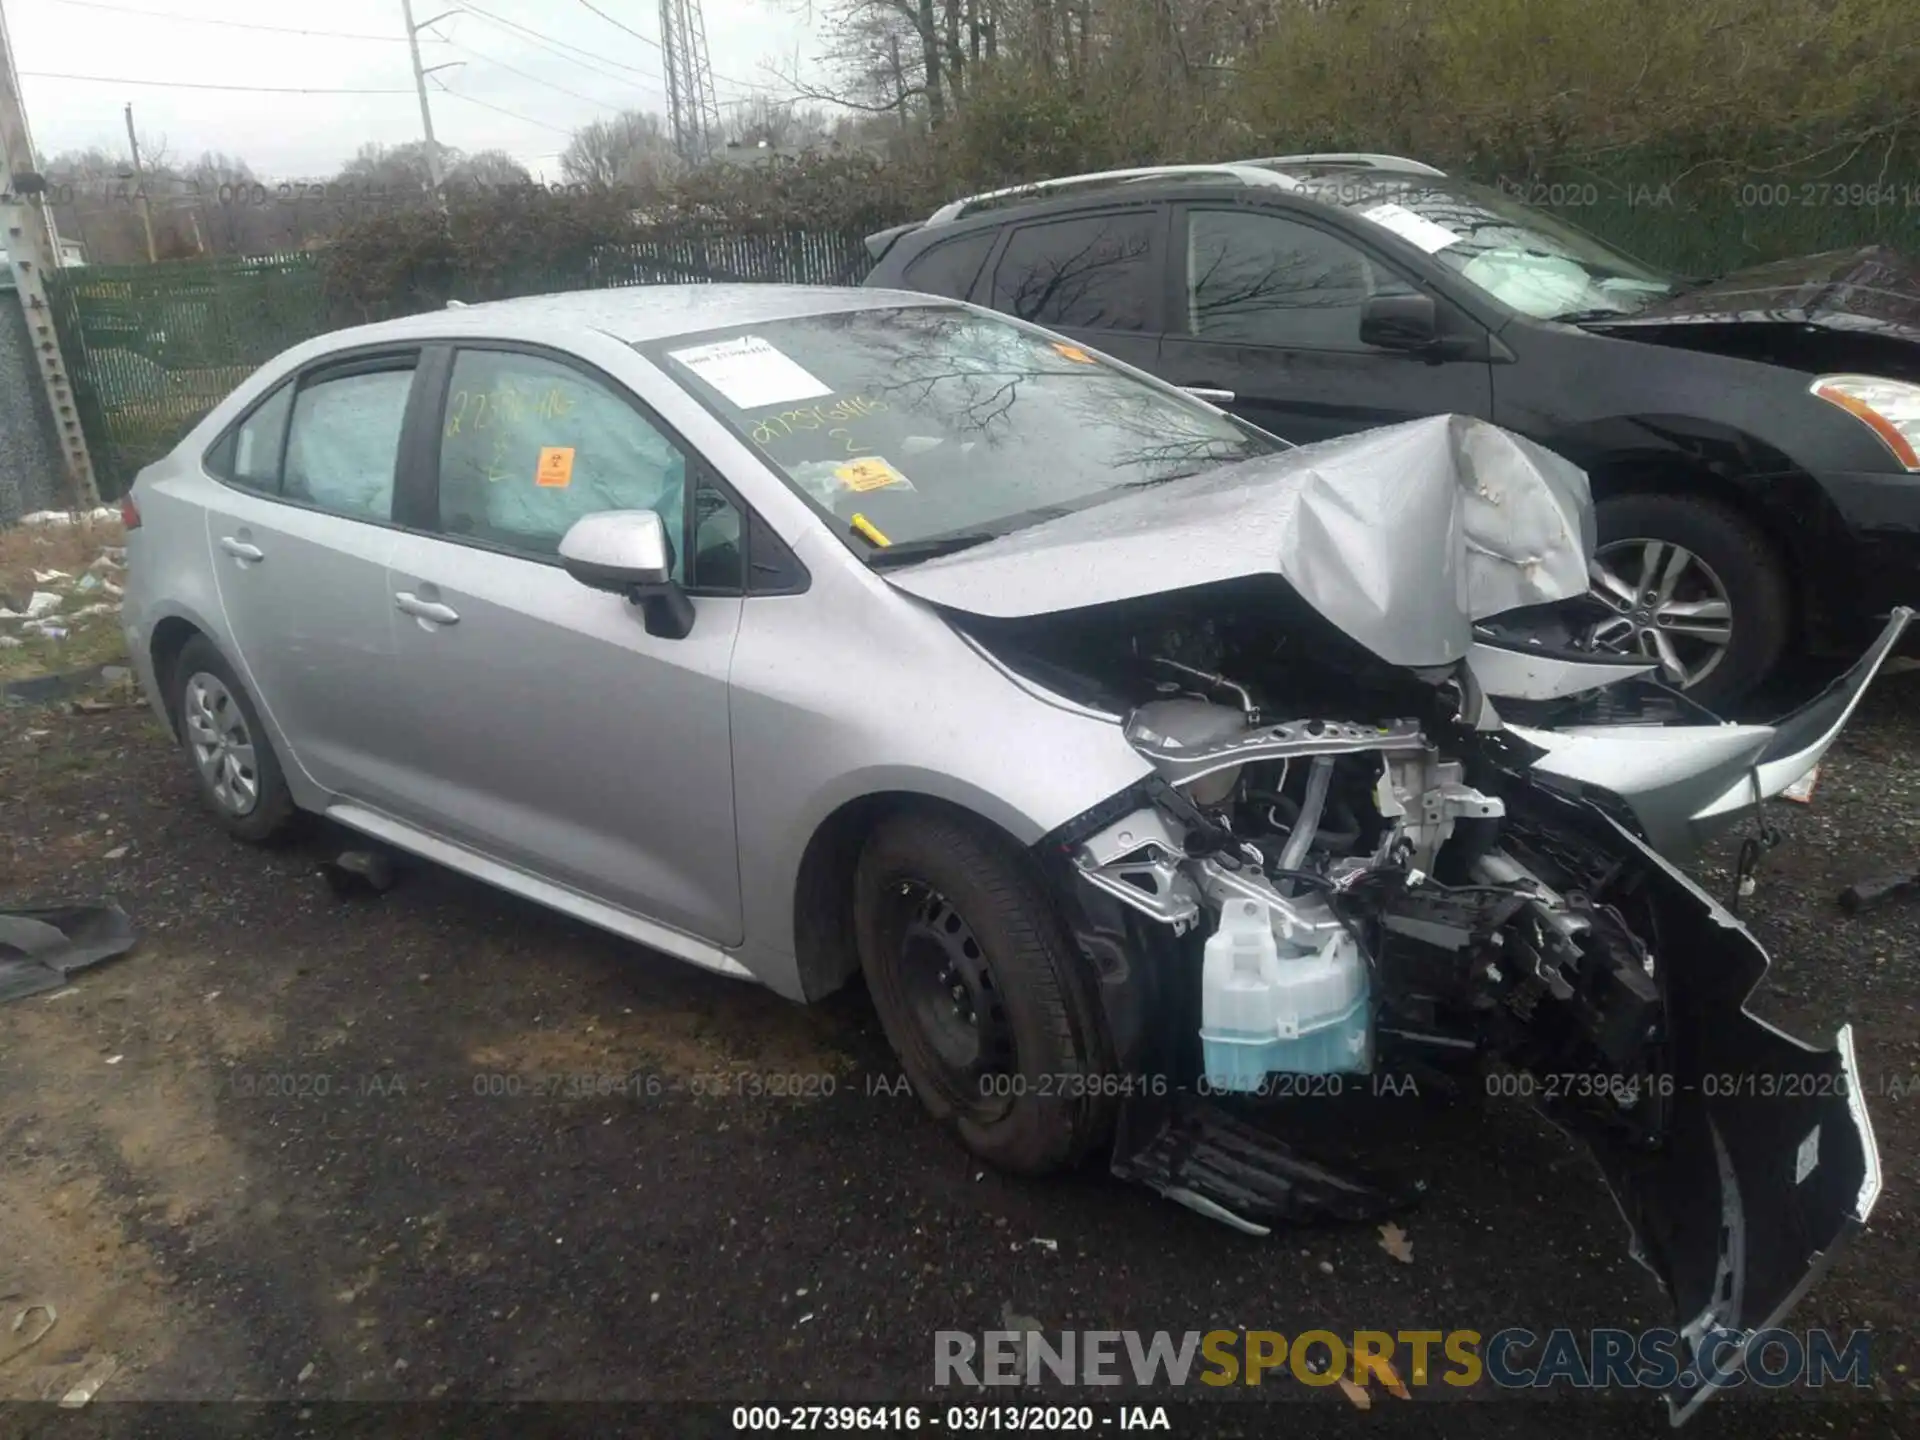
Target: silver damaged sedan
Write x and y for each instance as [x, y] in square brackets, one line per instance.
[1142, 765]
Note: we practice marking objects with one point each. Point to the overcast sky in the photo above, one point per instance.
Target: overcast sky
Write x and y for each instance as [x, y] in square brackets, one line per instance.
[572, 67]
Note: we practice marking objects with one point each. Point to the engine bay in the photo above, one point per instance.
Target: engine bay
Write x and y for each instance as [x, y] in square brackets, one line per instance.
[1356, 848]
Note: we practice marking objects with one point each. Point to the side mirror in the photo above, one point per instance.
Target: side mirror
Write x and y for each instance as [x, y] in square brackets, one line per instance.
[1400, 322]
[626, 552]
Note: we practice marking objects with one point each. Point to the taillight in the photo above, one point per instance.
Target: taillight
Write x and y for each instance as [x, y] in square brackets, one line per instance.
[129, 512]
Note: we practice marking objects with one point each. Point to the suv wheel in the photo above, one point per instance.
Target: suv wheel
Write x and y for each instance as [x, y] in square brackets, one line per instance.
[977, 988]
[1693, 586]
[239, 775]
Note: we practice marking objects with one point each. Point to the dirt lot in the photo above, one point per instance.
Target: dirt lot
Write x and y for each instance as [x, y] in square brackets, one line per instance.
[299, 1146]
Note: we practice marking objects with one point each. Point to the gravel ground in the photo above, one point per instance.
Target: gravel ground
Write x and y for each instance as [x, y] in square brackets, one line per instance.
[299, 1146]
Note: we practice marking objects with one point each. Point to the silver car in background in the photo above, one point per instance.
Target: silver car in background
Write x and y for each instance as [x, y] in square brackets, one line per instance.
[1136, 759]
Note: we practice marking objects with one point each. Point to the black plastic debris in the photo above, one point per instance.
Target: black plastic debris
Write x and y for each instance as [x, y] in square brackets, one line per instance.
[360, 872]
[1194, 1153]
[42, 947]
[1865, 894]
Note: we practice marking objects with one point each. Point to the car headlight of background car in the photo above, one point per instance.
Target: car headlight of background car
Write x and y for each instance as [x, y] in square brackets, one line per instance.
[1890, 408]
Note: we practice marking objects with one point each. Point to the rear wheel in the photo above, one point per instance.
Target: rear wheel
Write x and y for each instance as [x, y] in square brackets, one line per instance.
[979, 993]
[238, 773]
[1694, 587]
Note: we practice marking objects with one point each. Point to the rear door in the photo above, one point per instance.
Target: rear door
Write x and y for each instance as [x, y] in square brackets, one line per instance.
[1268, 305]
[549, 730]
[1097, 275]
[299, 532]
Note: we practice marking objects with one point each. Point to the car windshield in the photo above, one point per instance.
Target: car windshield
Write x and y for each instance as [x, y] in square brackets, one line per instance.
[937, 426]
[1535, 262]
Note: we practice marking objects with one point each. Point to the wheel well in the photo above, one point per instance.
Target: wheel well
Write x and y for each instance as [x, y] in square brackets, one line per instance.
[1629, 475]
[823, 934]
[170, 637]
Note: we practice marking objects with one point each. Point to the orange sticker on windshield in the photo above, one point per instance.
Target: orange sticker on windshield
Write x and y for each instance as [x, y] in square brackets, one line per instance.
[869, 473]
[554, 470]
[1072, 352]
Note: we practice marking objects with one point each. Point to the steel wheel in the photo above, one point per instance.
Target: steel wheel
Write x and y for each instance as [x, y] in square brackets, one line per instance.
[949, 989]
[221, 744]
[1668, 605]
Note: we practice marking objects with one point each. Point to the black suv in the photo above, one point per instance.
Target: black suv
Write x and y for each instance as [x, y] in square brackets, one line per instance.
[1751, 440]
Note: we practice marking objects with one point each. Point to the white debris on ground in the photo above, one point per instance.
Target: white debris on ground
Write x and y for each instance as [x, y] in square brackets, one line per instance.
[58, 598]
[70, 517]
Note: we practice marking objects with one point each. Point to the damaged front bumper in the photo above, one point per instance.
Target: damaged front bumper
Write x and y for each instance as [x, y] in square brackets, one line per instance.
[1685, 784]
[1741, 1158]
[1768, 1165]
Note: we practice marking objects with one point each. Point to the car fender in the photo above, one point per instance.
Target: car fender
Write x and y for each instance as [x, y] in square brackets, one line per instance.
[854, 691]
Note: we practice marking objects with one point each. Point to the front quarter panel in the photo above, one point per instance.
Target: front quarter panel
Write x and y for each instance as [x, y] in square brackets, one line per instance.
[854, 689]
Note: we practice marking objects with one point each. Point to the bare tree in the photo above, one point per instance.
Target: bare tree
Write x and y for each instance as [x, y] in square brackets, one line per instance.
[632, 149]
[780, 124]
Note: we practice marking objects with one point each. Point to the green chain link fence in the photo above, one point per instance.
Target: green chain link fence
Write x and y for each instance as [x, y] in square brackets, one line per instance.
[152, 348]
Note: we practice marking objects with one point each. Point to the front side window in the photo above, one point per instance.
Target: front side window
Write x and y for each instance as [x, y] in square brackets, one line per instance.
[932, 420]
[344, 441]
[529, 445]
[1259, 279]
[1093, 272]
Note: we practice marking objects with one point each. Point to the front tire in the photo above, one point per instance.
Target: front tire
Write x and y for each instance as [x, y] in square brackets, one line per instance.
[238, 774]
[979, 992]
[1695, 586]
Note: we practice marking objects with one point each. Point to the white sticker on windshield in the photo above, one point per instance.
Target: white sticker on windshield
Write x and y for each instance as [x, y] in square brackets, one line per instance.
[1409, 226]
[750, 372]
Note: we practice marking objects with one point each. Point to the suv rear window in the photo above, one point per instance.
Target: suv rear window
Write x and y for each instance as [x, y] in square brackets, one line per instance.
[951, 267]
[1091, 272]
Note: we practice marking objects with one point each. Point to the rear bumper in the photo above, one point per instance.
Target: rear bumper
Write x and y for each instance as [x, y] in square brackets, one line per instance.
[140, 660]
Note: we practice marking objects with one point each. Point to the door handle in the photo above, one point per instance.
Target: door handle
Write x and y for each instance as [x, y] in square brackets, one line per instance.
[240, 549]
[431, 612]
[1209, 394]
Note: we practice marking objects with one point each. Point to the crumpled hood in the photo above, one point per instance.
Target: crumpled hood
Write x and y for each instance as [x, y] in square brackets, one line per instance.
[1875, 289]
[1402, 537]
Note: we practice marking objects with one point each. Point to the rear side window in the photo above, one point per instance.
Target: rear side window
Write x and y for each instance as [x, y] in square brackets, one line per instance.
[344, 441]
[1092, 272]
[248, 455]
[951, 267]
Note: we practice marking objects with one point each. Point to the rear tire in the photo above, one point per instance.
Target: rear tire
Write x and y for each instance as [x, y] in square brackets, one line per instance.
[234, 767]
[1729, 553]
[980, 993]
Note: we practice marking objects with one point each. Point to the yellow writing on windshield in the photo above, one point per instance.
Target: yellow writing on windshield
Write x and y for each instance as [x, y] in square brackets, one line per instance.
[770, 428]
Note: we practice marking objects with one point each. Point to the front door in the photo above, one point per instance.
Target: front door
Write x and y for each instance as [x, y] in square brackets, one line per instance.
[550, 730]
[1268, 308]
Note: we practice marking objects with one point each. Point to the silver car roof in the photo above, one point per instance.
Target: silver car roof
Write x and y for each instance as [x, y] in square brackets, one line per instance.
[632, 313]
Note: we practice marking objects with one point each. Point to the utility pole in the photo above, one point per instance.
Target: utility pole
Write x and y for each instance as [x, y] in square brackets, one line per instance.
[434, 170]
[27, 233]
[140, 183]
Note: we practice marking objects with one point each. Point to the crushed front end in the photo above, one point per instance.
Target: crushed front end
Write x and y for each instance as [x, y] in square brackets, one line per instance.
[1345, 891]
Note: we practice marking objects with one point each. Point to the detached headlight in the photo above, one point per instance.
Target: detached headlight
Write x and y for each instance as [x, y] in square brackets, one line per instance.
[1889, 408]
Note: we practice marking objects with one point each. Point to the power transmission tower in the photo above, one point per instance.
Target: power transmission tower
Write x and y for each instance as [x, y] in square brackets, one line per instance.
[691, 104]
